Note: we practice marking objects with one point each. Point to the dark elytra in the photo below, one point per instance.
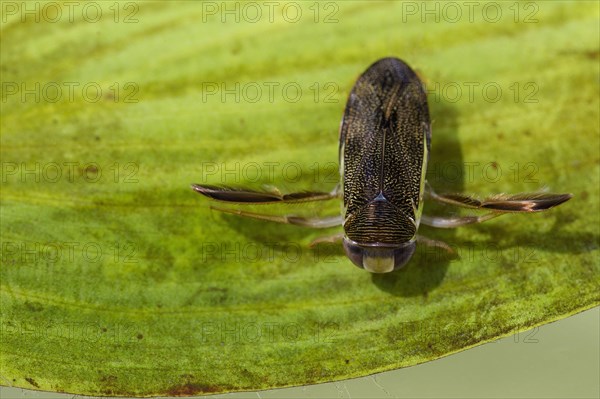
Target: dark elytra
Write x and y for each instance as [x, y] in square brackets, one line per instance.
[382, 151]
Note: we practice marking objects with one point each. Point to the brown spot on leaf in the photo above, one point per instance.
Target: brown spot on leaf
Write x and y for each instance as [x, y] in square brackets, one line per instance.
[91, 168]
[190, 389]
[34, 306]
[109, 379]
[32, 382]
[592, 54]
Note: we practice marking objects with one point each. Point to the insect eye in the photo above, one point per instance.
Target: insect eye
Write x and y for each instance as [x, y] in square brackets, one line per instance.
[403, 254]
[379, 259]
[354, 252]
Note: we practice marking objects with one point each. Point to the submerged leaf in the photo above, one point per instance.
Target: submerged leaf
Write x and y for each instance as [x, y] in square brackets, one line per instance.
[117, 279]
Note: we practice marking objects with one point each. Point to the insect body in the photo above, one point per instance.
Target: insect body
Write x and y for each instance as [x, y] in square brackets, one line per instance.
[385, 138]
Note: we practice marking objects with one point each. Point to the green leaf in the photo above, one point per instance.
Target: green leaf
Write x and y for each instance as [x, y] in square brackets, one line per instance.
[117, 279]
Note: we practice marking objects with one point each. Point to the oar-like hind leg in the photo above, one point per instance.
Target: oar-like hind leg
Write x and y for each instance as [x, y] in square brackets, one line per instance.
[499, 205]
[247, 196]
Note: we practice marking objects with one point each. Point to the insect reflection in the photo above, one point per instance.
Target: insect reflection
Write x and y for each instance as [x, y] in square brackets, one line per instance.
[385, 140]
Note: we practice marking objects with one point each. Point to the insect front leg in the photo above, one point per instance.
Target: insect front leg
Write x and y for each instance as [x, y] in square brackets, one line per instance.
[435, 243]
[327, 239]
